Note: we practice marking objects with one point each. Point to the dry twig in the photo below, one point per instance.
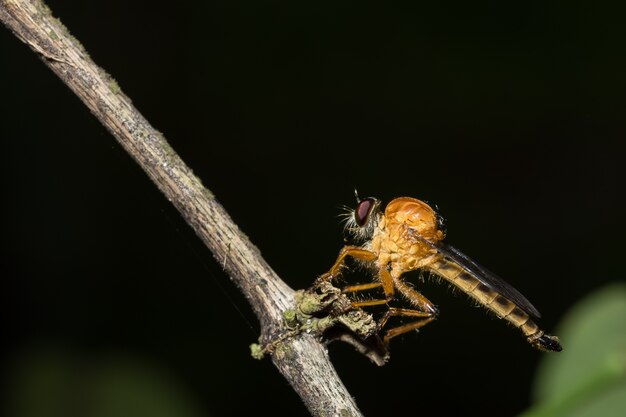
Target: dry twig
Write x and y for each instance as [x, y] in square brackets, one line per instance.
[301, 359]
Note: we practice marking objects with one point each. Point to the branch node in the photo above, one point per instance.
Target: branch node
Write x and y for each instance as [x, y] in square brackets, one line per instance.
[317, 312]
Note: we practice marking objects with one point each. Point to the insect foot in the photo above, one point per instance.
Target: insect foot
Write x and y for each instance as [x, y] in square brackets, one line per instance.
[317, 311]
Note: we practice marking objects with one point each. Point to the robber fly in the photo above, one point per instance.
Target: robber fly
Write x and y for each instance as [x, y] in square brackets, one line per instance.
[407, 236]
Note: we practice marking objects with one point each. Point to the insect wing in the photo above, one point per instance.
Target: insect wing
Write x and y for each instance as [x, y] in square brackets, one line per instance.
[487, 277]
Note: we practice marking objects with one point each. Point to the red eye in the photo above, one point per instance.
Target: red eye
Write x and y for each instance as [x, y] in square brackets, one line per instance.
[363, 210]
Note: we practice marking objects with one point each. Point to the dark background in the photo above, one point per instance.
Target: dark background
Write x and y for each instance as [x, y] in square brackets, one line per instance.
[508, 117]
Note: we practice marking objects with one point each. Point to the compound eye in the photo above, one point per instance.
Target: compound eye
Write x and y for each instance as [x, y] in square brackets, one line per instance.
[363, 210]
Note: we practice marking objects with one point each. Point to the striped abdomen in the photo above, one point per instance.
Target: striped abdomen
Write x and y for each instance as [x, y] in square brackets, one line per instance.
[504, 308]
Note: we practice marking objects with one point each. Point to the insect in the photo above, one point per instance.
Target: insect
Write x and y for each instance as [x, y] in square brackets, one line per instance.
[407, 236]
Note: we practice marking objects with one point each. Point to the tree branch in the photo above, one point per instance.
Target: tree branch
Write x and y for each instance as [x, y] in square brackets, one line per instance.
[302, 359]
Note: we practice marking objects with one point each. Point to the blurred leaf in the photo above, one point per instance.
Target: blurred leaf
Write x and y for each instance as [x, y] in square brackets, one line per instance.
[589, 377]
[55, 383]
[38, 385]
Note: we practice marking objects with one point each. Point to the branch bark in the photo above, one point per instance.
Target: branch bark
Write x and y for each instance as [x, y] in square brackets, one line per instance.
[302, 359]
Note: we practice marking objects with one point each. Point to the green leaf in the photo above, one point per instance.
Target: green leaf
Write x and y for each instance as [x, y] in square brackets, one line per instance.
[55, 383]
[588, 378]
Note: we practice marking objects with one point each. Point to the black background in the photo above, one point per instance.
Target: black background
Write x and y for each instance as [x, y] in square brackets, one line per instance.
[508, 117]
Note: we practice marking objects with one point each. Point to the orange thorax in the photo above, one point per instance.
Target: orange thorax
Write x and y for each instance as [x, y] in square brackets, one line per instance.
[399, 237]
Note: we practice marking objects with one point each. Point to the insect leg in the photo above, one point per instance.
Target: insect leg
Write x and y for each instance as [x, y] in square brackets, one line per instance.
[388, 283]
[397, 331]
[353, 251]
[423, 319]
[364, 287]
[407, 312]
[415, 298]
[384, 280]
[424, 309]
[369, 303]
[361, 287]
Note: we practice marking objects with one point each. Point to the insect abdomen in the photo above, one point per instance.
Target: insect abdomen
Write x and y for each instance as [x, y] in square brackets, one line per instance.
[491, 299]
